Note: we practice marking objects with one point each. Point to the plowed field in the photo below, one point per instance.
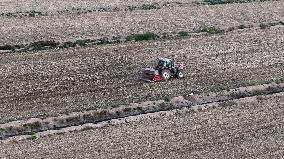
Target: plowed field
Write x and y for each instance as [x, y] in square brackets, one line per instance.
[250, 128]
[61, 81]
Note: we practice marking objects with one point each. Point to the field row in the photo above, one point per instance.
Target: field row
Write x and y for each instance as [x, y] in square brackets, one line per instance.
[48, 83]
[22, 30]
[57, 5]
[49, 45]
[97, 8]
[53, 6]
[247, 128]
[81, 8]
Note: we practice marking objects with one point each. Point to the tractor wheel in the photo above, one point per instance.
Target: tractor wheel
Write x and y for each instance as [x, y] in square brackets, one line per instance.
[165, 74]
[180, 74]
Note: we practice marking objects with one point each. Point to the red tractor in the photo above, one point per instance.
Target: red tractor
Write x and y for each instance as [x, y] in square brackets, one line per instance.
[165, 69]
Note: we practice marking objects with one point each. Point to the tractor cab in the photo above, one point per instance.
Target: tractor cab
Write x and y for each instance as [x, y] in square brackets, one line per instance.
[165, 63]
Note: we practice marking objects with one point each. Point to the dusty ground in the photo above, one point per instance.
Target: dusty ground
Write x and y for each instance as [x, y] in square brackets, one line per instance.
[247, 128]
[55, 5]
[61, 81]
[69, 27]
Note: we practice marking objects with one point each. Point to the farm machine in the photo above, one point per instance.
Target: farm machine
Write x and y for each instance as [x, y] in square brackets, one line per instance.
[164, 70]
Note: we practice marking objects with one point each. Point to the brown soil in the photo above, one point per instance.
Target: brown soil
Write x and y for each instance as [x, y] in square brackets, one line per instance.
[247, 128]
[71, 27]
[48, 83]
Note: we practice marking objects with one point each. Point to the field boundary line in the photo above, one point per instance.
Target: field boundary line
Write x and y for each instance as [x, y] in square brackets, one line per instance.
[36, 125]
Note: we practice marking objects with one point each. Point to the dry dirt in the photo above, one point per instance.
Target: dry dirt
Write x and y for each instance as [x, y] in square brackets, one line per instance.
[51, 82]
[60, 81]
[55, 5]
[246, 128]
[70, 27]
